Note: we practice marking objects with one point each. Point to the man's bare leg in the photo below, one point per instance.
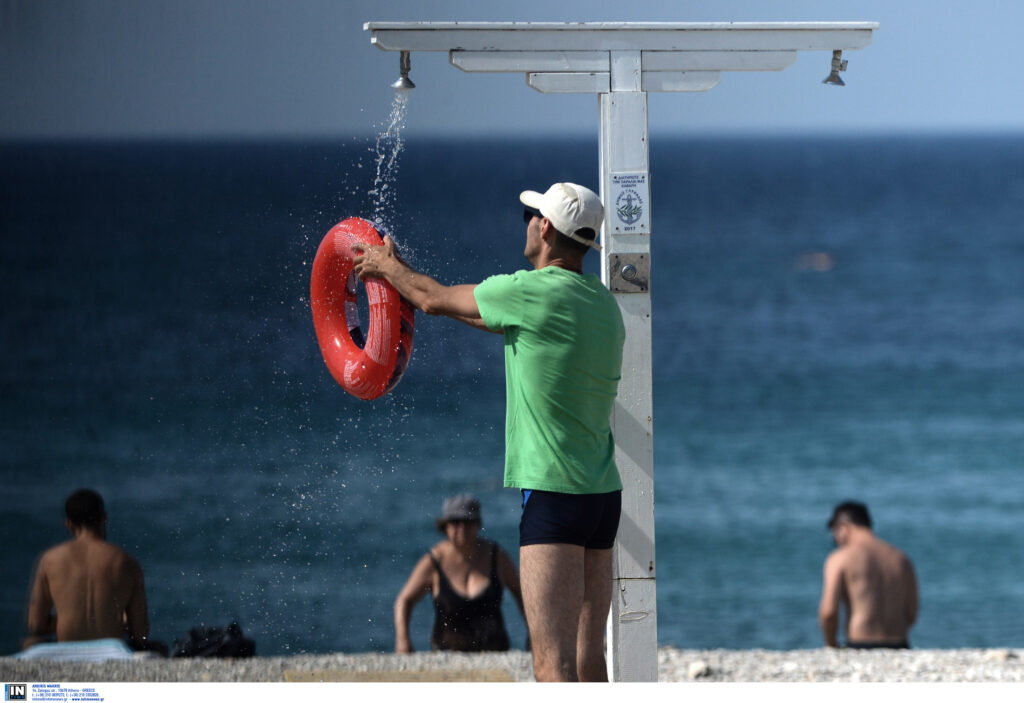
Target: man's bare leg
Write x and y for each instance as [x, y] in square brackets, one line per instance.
[552, 579]
[597, 600]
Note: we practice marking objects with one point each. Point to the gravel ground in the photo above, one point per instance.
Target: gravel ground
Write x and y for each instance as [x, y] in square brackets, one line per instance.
[820, 665]
[842, 665]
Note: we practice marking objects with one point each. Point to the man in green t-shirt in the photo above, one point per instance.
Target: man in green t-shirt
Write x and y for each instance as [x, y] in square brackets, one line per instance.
[563, 360]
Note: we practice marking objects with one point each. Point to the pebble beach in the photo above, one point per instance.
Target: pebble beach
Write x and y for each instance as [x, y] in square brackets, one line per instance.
[674, 665]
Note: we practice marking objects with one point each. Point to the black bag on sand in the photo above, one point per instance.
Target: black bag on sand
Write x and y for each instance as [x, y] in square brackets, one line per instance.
[215, 642]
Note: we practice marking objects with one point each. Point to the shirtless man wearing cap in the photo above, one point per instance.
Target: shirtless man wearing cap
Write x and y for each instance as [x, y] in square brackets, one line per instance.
[872, 578]
[563, 336]
[86, 588]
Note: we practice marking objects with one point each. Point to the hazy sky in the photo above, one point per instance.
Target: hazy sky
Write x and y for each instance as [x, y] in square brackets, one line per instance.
[306, 68]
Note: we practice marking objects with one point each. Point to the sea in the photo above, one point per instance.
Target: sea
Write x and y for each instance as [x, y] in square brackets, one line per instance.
[833, 318]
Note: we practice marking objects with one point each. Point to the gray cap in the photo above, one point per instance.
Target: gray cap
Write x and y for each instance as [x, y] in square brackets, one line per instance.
[464, 506]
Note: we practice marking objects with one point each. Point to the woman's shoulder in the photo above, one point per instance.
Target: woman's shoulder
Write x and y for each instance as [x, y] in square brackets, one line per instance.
[440, 550]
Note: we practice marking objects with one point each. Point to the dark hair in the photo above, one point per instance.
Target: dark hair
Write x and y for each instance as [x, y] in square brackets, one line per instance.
[850, 511]
[84, 508]
[566, 242]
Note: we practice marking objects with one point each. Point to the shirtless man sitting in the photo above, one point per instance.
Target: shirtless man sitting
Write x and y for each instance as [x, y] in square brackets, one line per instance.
[873, 579]
[86, 588]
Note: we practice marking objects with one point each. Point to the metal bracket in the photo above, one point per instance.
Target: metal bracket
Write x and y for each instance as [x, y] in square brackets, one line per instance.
[629, 273]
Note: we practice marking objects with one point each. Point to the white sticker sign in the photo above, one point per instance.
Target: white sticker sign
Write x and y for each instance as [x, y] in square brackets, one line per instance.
[629, 203]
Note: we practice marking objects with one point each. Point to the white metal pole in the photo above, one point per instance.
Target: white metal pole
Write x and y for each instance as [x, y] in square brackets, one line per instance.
[632, 640]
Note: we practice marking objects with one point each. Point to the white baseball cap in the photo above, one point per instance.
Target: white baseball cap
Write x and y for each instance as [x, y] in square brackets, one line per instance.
[570, 207]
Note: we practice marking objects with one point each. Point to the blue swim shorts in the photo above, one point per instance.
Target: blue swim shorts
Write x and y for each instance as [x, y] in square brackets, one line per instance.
[590, 520]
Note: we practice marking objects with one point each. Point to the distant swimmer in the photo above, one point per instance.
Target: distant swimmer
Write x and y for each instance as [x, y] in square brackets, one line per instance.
[86, 588]
[872, 579]
[563, 335]
[815, 261]
[466, 576]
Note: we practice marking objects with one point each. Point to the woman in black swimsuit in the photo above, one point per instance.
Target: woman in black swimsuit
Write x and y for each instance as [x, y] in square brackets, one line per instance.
[465, 575]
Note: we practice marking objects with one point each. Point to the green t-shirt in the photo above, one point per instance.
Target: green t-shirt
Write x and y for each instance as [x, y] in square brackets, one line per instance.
[563, 361]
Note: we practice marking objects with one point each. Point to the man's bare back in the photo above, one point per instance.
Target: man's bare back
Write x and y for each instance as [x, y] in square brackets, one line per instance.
[876, 583]
[87, 589]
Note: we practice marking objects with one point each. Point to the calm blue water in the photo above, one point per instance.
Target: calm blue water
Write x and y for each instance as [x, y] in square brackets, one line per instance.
[157, 345]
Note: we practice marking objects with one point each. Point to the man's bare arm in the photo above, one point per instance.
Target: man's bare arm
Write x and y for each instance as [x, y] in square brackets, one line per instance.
[832, 596]
[136, 610]
[475, 322]
[422, 291]
[41, 622]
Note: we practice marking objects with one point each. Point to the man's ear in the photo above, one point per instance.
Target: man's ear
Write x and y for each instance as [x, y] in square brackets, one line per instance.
[547, 230]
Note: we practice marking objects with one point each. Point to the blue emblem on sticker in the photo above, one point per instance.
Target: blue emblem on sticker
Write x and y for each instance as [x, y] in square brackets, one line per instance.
[629, 206]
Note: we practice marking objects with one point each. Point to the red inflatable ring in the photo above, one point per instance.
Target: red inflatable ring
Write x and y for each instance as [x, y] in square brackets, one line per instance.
[366, 366]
